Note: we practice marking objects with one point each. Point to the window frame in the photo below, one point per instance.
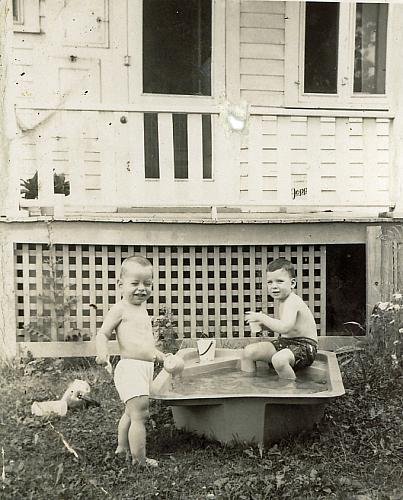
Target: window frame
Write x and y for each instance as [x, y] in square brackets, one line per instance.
[175, 102]
[28, 18]
[345, 98]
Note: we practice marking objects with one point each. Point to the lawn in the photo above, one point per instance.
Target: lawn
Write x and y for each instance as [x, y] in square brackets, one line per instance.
[355, 452]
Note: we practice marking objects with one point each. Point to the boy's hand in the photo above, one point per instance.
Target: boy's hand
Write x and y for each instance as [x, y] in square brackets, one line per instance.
[104, 361]
[252, 316]
[101, 360]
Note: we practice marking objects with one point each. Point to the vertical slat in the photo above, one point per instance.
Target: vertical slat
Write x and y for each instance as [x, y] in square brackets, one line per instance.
[92, 281]
[192, 291]
[217, 292]
[118, 264]
[205, 290]
[252, 278]
[76, 150]
[371, 183]
[180, 292]
[52, 293]
[323, 264]
[311, 278]
[156, 282]
[284, 160]
[136, 148]
[195, 148]
[109, 135]
[66, 291]
[79, 286]
[168, 277]
[313, 154]
[255, 159]
[299, 270]
[105, 282]
[342, 166]
[39, 284]
[240, 292]
[263, 279]
[228, 280]
[45, 174]
[166, 148]
[25, 288]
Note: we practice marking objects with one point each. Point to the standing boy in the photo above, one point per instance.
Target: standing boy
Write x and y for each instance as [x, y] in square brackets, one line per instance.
[297, 342]
[134, 372]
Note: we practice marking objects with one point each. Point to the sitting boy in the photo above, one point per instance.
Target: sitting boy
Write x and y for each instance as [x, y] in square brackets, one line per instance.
[134, 372]
[296, 344]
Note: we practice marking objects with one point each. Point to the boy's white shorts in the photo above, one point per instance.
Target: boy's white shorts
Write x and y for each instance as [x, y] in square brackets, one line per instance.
[133, 377]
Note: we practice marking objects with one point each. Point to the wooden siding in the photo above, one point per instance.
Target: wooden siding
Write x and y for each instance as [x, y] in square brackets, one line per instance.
[284, 160]
[262, 28]
[65, 289]
[295, 160]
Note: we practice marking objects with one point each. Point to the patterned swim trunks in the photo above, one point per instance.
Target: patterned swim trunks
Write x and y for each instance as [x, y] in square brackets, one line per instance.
[303, 348]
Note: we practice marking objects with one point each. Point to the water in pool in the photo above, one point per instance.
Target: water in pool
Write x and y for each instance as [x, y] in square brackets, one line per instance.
[227, 381]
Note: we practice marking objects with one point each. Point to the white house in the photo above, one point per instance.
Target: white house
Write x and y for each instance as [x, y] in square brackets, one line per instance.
[209, 135]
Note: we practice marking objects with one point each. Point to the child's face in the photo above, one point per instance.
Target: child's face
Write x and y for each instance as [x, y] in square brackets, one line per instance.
[136, 283]
[279, 284]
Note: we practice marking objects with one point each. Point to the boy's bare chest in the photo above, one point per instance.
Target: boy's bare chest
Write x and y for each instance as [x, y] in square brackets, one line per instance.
[136, 323]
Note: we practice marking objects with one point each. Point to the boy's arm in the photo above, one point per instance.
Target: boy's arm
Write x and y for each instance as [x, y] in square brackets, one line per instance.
[111, 321]
[283, 325]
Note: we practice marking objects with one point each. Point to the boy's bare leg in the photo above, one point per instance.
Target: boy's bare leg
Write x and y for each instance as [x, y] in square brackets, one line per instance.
[137, 408]
[123, 434]
[261, 351]
[282, 362]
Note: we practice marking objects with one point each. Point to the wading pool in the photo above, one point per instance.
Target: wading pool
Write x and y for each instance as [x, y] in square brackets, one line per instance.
[218, 400]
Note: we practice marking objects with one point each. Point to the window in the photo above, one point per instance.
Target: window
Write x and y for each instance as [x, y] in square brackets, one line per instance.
[26, 16]
[336, 54]
[177, 40]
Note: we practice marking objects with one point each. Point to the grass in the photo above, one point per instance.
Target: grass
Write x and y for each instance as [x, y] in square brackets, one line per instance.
[355, 452]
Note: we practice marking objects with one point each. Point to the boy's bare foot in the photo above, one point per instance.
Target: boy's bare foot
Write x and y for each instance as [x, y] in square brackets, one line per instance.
[149, 462]
[121, 451]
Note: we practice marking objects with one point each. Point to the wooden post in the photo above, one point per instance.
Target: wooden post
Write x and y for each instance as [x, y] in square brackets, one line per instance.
[8, 327]
[9, 186]
[374, 267]
[396, 61]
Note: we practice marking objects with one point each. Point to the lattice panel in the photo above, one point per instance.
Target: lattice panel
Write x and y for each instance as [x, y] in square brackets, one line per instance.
[66, 290]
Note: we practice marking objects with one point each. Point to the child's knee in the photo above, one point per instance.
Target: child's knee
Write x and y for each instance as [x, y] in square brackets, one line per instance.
[282, 358]
[137, 408]
[250, 352]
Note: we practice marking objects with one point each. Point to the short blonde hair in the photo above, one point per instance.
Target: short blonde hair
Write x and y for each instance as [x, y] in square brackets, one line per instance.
[134, 259]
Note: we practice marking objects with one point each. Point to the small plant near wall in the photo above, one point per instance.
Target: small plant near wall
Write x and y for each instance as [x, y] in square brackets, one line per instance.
[165, 332]
[57, 305]
[30, 187]
[377, 362]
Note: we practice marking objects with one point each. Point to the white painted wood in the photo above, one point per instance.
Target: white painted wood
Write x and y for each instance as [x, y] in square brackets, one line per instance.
[262, 7]
[262, 82]
[195, 150]
[166, 151]
[260, 20]
[255, 160]
[266, 67]
[262, 51]
[8, 326]
[260, 35]
[232, 48]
